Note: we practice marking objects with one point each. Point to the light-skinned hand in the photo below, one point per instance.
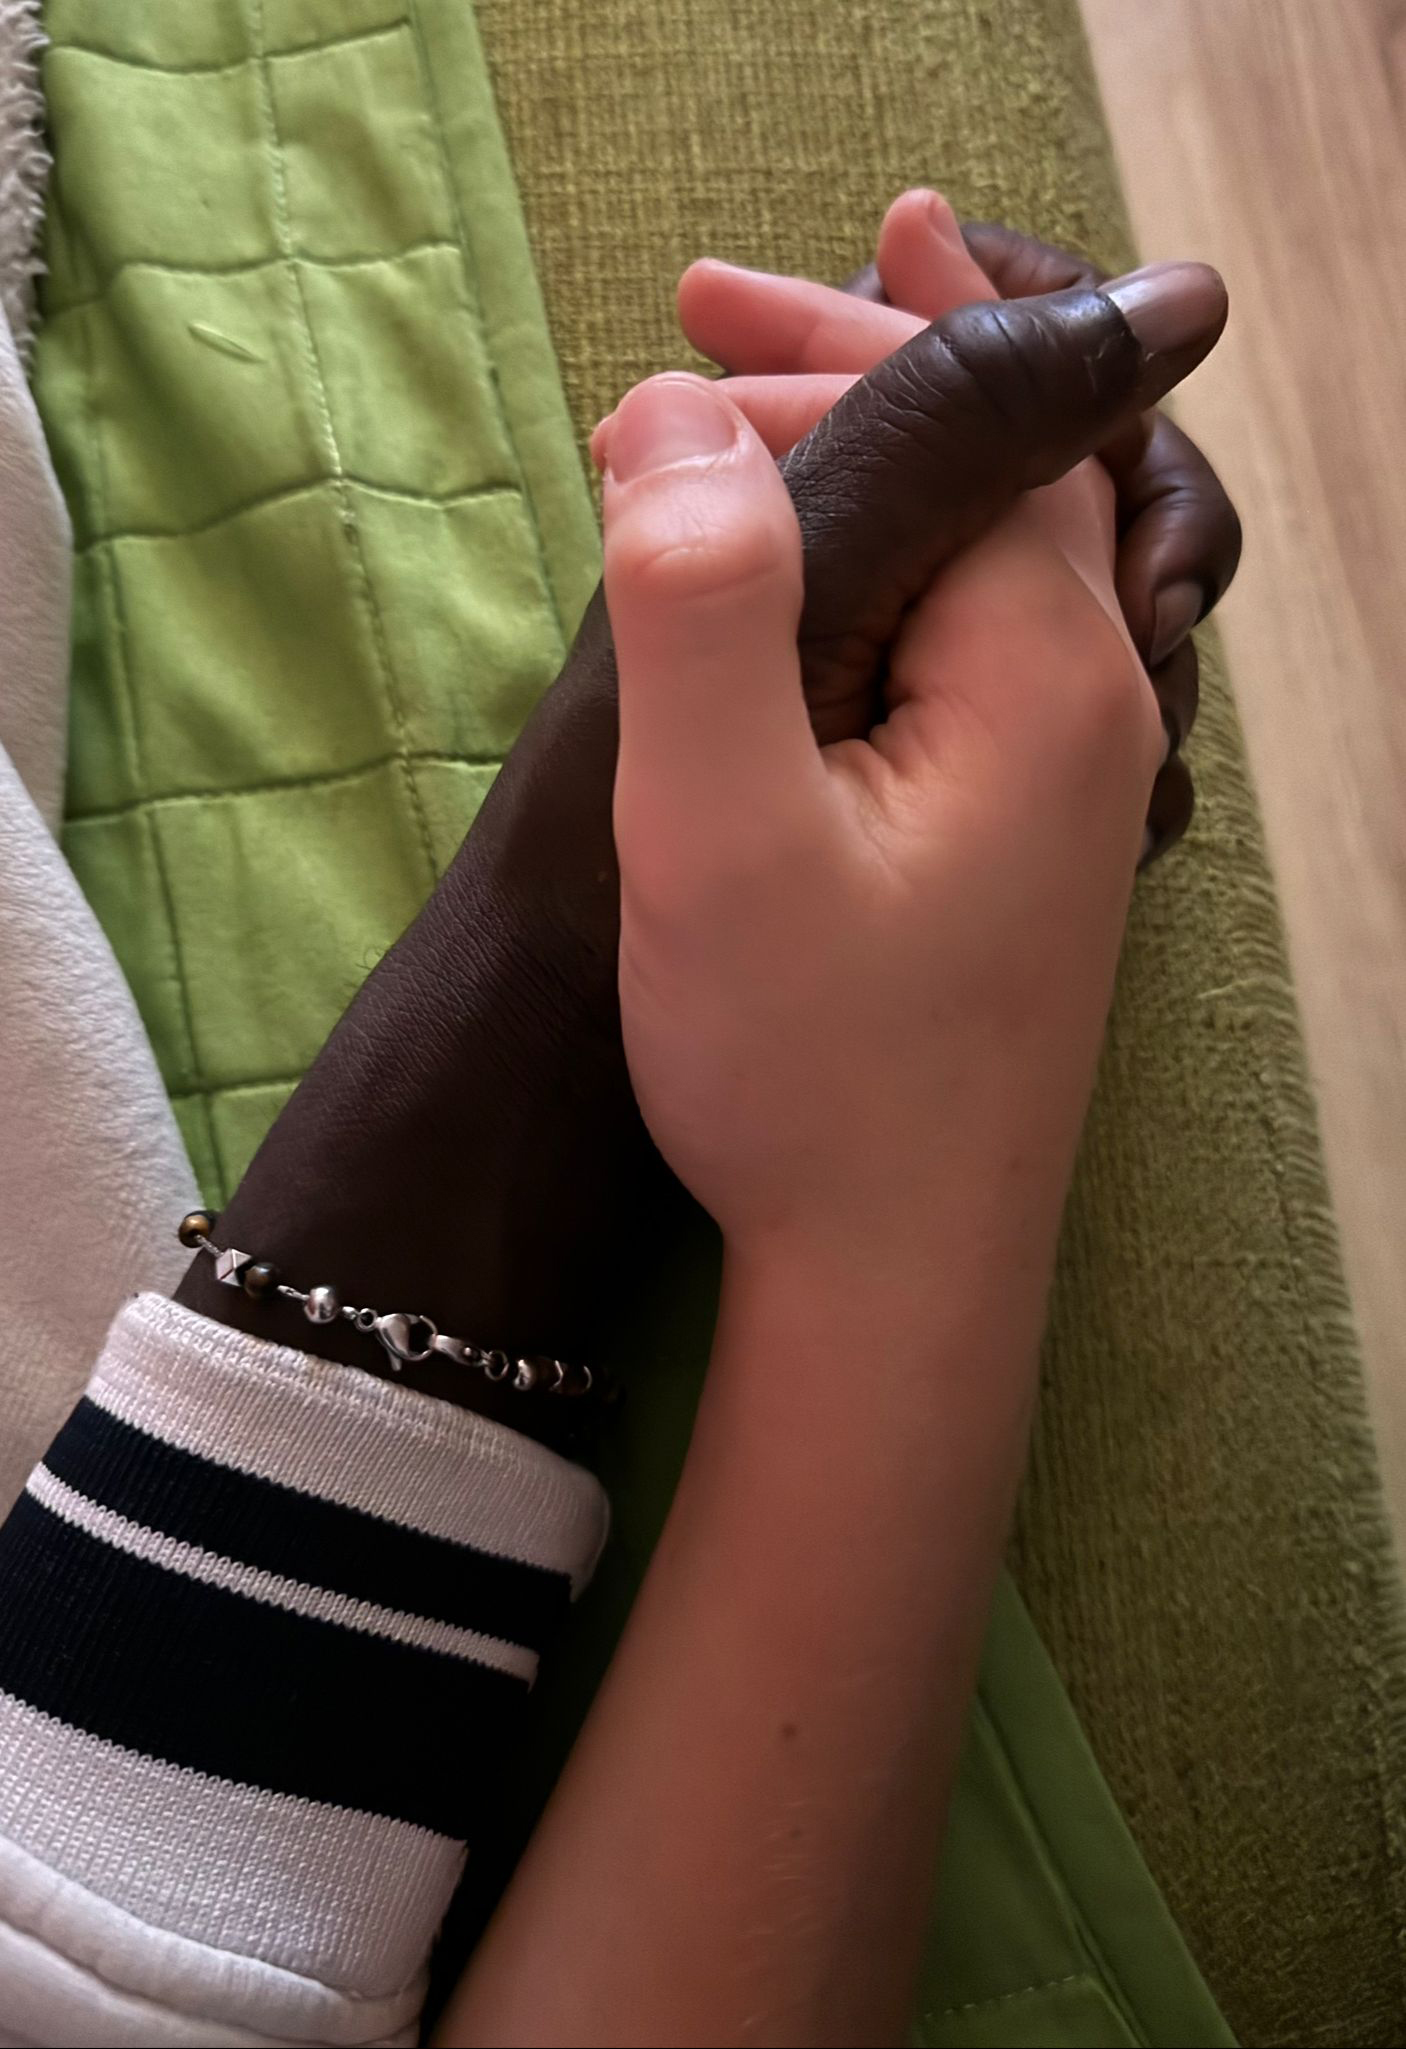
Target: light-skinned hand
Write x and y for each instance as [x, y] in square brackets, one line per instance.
[864, 984]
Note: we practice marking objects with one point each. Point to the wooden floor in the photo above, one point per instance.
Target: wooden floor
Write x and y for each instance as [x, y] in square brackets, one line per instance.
[1269, 136]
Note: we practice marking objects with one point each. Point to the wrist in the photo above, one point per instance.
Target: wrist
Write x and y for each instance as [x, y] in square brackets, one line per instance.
[830, 1404]
[467, 1144]
[466, 1147]
[898, 1310]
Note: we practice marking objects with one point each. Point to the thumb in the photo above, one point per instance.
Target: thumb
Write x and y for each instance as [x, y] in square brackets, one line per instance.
[703, 585]
[941, 438]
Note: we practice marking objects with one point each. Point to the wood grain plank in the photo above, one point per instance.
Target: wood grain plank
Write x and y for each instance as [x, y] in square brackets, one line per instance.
[1267, 137]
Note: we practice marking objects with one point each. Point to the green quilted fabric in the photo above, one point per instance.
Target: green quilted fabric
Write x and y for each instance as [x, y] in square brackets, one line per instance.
[293, 412]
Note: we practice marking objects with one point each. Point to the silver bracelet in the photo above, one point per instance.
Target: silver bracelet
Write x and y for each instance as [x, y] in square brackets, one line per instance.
[407, 1340]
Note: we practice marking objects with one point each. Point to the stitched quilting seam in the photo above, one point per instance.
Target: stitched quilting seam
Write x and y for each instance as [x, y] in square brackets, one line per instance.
[360, 35]
[120, 641]
[370, 602]
[463, 495]
[1102, 1966]
[428, 757]
[1024, 1992]
[246, 268]
[240, 1088]
[471, 301]
[473, 296]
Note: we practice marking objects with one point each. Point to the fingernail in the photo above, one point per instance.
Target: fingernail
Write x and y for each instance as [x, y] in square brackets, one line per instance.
[666, 421]
[723, 263]
[943, 222]
[1174, 613]
[1169, 809]
[600, 440]
[1168, 305]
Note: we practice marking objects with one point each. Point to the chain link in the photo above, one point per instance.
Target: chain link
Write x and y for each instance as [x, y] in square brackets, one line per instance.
[406, 1339]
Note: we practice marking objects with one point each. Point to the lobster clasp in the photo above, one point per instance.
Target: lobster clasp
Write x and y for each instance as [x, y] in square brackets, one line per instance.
[408, 1339]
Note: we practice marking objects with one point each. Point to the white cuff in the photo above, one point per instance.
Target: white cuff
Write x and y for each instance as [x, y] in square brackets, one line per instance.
[261, 1619]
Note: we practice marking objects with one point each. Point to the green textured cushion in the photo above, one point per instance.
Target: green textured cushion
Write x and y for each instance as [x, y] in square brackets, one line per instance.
[1201, 1540]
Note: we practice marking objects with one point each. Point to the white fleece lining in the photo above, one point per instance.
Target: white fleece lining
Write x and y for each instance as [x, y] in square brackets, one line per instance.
[77, 1969]
[24, 166]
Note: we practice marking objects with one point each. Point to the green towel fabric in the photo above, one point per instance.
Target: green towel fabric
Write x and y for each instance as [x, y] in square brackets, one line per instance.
[331, 539]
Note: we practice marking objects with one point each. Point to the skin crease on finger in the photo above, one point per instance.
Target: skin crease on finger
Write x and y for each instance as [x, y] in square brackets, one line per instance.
[755, 323]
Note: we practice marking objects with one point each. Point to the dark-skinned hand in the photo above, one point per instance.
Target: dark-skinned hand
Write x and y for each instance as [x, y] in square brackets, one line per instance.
[467, 1143]
[1178, 533]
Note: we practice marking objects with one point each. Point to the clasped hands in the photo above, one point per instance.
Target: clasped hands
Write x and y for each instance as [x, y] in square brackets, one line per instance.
[914, 415]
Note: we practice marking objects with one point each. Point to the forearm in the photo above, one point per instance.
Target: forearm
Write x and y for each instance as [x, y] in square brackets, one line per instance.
[467, 1143]
[742, 1846]
[263, 1616]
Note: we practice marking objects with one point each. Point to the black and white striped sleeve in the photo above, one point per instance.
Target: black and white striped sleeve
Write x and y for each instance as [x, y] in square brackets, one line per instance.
[259, 1616]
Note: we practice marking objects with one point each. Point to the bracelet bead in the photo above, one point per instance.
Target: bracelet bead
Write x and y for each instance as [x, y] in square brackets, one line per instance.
[259, 1278]
[195, 1228]
[324, 1304]
[407, 1339]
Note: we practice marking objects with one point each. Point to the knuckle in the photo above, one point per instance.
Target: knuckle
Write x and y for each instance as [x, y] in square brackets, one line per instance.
[1170, 806]
[968, 367]
[1022, 266]
[1185, 494]
[705, 557]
